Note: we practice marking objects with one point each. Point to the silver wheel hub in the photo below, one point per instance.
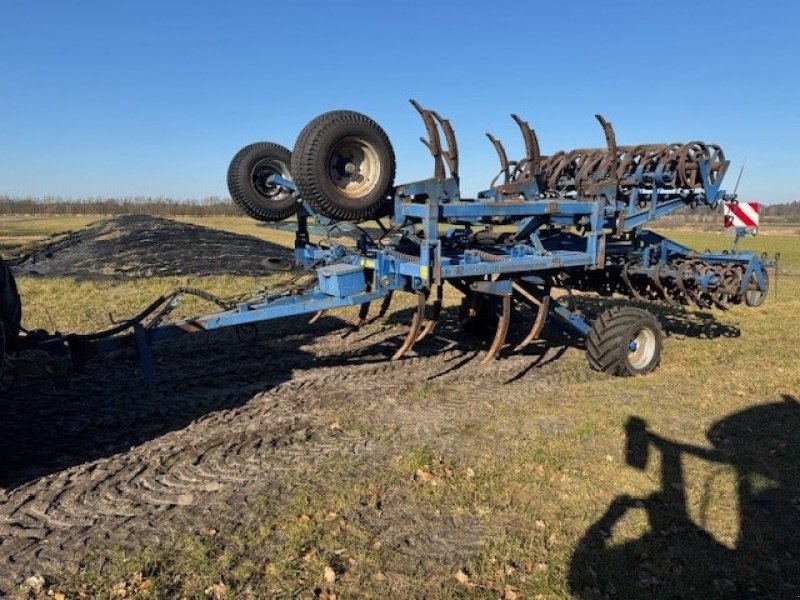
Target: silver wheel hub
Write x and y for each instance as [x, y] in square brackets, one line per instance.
[354, 167]
[642, 348]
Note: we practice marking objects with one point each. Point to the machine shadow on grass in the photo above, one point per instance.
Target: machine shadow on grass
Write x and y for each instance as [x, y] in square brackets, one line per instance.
[678, 558]
[675, 320]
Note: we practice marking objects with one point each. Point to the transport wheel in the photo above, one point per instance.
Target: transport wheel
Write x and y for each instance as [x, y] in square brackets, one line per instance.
[10, 305]
[344, 165]
[247, 181]
[753, 296]
[624, 341]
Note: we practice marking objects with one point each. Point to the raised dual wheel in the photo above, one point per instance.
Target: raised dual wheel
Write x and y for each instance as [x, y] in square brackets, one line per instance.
[624, 341]
[249, 185]
[344, 165]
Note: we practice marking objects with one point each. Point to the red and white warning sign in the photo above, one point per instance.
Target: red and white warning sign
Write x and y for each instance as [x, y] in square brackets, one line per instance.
[741, 214]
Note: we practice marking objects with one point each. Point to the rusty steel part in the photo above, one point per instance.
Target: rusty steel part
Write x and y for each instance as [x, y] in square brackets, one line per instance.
[451, 154]
[540, 305]
[317, 316]
[361, 318]
[415, 327]
[436, 309]
[505, 164]
[528, 167]
[589, 170]
[502, 330]
[433, 122]
[384, 308]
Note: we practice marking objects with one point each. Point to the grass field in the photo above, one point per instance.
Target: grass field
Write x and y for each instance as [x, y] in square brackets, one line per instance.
[547, 482]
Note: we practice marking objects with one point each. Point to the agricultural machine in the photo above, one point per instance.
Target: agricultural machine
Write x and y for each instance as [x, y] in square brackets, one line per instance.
[572, 220]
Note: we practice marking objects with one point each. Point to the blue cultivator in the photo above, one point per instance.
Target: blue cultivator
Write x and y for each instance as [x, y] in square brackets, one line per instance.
[572, 220]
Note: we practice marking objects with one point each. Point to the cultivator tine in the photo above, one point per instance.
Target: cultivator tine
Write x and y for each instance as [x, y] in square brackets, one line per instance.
[611, 143]
[502, 331]
[436, 310]
[434, 142]
[505, 165]
[387, 300]
[361, 318]
[530, 165]
[416, 325]
[541, 306]
[317, 316]
[451, 154]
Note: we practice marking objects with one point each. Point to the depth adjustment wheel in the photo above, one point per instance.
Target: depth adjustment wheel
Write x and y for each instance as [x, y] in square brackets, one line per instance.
[754, 296]
[625, 341]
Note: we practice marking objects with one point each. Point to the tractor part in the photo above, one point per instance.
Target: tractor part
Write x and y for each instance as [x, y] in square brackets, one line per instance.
[343, 164]
[251, 186]
[10, 306]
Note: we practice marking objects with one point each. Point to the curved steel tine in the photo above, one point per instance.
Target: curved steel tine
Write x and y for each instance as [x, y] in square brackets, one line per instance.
[436, 309]
[611, 142]
[451, 154]
[434, 143]
[533, 155]
[361, 318]
[542, 307]
[502, 331]
[416, 324]
[317, 316]
[501, 153]
[387, 300]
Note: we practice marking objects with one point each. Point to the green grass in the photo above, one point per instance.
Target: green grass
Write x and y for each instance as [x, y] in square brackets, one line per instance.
[18, 233]
[535, 491]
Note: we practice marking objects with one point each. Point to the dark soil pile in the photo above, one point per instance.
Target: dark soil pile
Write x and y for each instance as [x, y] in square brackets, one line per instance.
[144, 246]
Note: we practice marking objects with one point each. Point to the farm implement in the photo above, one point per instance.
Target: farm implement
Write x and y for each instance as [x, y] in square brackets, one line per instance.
[573, 220]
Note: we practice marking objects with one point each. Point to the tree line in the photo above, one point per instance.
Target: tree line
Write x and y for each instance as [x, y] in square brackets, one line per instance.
[219, 206]
[211, 206]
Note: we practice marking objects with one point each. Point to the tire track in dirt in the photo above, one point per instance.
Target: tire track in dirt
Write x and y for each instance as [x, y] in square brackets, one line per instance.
[227, 457]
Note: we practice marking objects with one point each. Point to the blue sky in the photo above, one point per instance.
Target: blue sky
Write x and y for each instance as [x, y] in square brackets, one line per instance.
[113, 99]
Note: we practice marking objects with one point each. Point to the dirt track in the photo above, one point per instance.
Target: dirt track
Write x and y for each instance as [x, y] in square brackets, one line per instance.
[102, 464]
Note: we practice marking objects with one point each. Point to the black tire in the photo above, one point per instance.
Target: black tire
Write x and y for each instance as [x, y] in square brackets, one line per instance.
[625, 341]
[10, 305]
[344, 165]
[247, 175]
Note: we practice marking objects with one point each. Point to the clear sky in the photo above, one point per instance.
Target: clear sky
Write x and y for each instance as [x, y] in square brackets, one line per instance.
[153, 98]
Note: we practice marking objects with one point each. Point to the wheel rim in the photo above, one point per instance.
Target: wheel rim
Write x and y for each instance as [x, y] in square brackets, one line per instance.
[641, 348]
[262, 171]
[753, 296]
[354, 167]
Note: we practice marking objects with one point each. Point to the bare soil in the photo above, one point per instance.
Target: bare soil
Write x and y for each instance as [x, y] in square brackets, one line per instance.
[100, 463]
[144, 246]
[237, 425]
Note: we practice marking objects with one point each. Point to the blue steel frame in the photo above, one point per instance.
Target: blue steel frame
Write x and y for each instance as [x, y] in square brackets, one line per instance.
[542, 244]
